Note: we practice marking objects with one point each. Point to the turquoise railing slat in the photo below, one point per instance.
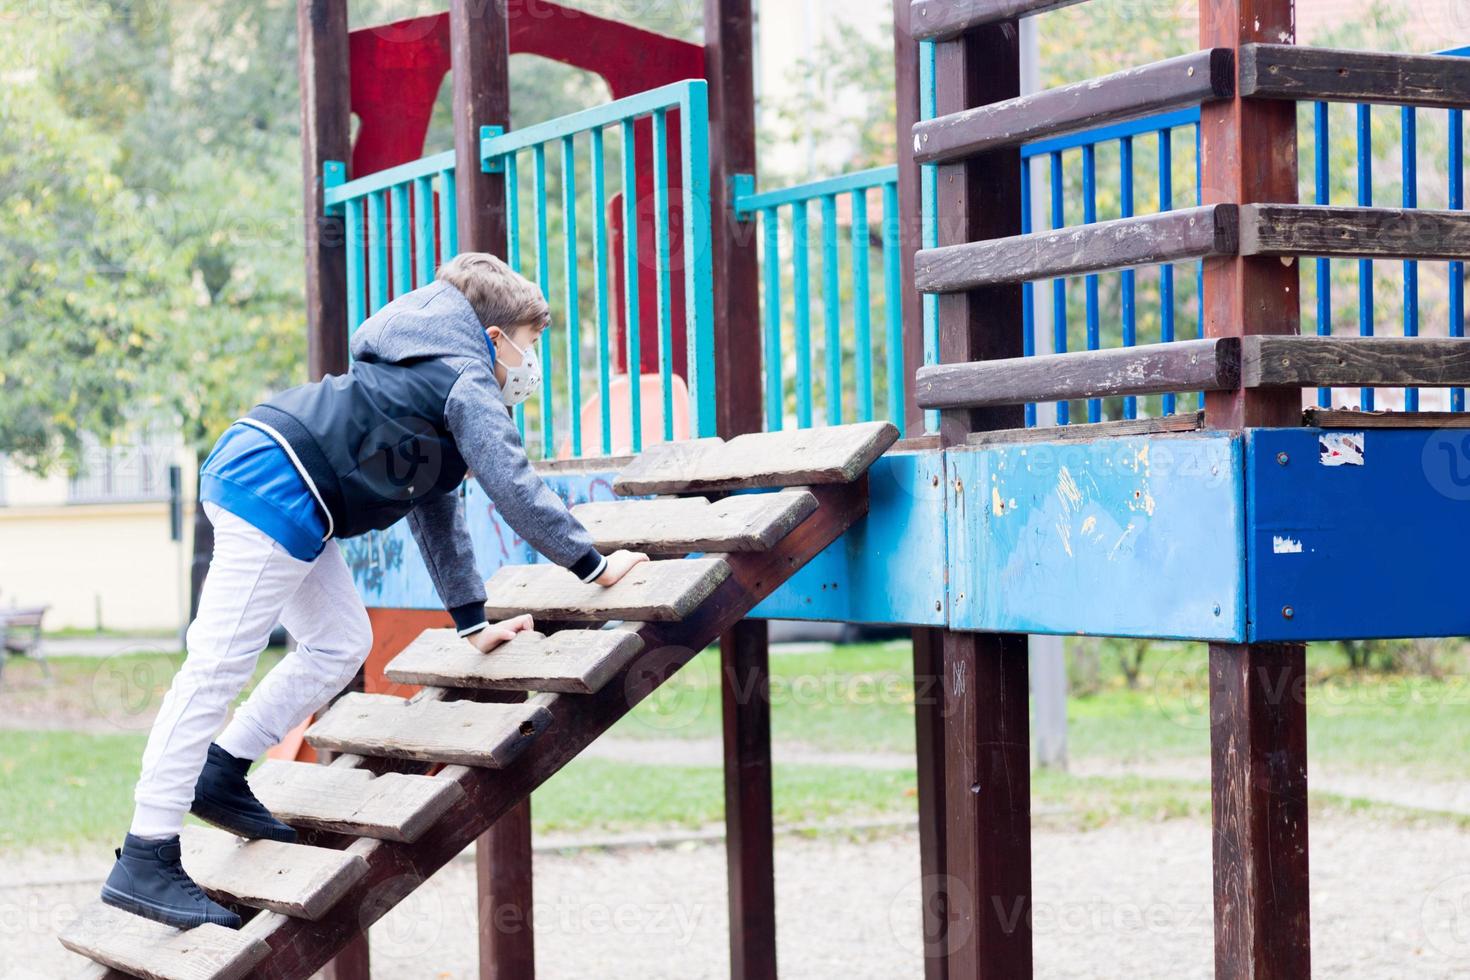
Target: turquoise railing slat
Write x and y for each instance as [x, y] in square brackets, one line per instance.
[862, 313]
[630, 281]
[1410, 161]
[662, 251]
[377, 252]
[600, 273]
[573, 292]
[543, 279]
[512, 213]
[832, 310]
[699, 269]
[1166, 271]
[893, 304]
[928, 194]
[1089, 216]
[423, 230]
[402, 242]
[356, 287]
[448, 217]
[1059, 286]
[771, 319]
[801, 288]
[1129, 285]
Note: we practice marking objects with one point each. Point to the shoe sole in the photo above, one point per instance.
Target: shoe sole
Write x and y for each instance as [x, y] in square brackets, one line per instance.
[161, 913]
[221, 819]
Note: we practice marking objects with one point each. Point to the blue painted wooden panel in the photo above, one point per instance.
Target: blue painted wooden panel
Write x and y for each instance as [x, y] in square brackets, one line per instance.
[1139, 536]
[890, 567]
[1358, 534]
[390, 573]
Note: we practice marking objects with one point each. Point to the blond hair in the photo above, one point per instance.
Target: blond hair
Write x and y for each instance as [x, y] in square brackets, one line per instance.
[500, 296]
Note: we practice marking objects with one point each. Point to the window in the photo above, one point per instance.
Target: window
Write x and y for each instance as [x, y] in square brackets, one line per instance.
[135, 469]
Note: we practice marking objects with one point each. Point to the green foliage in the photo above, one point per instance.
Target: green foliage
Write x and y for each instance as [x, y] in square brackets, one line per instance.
[149, 221]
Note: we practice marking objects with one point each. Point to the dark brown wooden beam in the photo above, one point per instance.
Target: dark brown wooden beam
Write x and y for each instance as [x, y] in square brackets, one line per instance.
[943, 20]
[744, 650]
[1258, 768]
[929, 747]
[326, 134]
[1090, 431]
[1258, 733]
[1345, 418]
[479, 50]
[1150, 369]
[910, 197]
[1372, 233]
[1286, 71]
[1355, 362]
[987, 755]
[1178, 82]
[479, 47]
[1172, 236]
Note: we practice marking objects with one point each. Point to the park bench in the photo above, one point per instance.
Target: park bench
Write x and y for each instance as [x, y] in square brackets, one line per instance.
[20, 634]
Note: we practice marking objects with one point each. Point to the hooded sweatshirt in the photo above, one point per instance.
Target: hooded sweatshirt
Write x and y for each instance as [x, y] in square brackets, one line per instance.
[396, 435]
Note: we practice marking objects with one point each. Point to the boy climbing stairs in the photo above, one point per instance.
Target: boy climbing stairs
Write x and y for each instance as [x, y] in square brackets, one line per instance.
[417, 780]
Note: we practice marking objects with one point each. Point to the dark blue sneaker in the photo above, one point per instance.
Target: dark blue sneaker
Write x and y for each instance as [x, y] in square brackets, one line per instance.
[222, 797]
[149, 880]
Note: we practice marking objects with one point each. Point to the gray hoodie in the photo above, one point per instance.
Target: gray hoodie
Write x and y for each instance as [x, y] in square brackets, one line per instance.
[436, 324]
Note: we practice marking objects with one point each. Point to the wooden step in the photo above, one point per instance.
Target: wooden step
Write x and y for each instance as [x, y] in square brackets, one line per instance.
[293, 879]
[571, 661]
[797, 457]
[467, 732]
[393, 806]
[154, 951]
[680, 525]
[656, 591]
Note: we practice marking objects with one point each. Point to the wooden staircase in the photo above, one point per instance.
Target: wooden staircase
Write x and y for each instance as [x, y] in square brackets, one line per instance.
[419, 779]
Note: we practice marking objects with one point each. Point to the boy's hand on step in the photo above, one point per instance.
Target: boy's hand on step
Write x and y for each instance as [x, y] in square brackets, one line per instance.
[502, 632]
[620, 563]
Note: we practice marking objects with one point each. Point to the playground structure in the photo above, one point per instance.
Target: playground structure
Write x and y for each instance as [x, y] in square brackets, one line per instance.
[1246, 523]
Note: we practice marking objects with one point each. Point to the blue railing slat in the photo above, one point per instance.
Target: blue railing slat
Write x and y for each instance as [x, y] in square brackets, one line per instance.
[1166, 271]
[573, 290]
[832, 311]
[892, 305]
[600, 272]
[1129, 286]
[1059, 286]
[377, 251]
[661, 239]
[630, 283]
[1323, 195]
[356, 287]
[423, 234]
[1365, 266]
[862, 313]
[1089, 217]
[402, 254]
[801, 286]
[1028, 288]
[543, 279]
[1410, 163]
[1457, 269]
[771, 322]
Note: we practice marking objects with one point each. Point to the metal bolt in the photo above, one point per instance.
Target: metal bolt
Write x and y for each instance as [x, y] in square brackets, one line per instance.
[1282, 458]
[939, 605]
[1217, 609]
[935, 481]
[1288, 612]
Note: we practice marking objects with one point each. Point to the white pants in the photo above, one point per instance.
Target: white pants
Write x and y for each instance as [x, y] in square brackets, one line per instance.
[253, 583]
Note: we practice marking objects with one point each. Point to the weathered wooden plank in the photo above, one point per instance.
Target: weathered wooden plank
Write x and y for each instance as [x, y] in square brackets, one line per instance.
[1185, 365]
[1355, 362]
[941, 20]
[154, 951]
[1172, 236]
[293, 879]
[300, 947]
[465, 732]
[1090, 431]
[681, 525]
[796, 457]
[1159, 87]
[1286, 71]
[656, 591]
[1345, 418]
[1383, 233]
[571, 661]
[392, 806]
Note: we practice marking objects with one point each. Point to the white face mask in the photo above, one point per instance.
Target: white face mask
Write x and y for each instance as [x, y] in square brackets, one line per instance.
[523, 380]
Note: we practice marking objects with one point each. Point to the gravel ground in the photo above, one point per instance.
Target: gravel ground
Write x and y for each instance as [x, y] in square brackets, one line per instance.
[1389, 900]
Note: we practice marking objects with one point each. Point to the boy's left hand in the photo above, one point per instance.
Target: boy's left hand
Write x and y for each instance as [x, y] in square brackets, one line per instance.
[502, 632]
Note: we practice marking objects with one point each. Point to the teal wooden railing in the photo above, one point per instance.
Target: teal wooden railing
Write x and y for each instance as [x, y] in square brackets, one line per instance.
[562, 136]
[853, 366]
[400, 225]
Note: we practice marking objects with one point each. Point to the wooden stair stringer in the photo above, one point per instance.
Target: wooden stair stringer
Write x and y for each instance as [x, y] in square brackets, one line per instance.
[298, 948]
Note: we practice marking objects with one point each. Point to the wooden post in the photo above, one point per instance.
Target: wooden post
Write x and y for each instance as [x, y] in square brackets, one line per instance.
[987, 742]
[479, 46]
[744, 663]
[326, 121]
[1258, 722]
[326, 134]
[910, 200]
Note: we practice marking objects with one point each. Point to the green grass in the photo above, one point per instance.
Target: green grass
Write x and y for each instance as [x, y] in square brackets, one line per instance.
[71, 788]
